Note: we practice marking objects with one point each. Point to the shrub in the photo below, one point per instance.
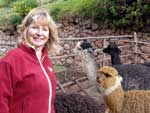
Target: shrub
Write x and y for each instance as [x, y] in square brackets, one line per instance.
[126, 13]
[24, 6]
[93, 9]
[5, 15]
[15, 19]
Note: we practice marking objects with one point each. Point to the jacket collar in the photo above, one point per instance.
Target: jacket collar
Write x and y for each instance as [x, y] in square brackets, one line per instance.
[32, 51]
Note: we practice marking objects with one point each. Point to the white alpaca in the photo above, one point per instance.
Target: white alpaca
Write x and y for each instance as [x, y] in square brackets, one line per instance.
[116, 99]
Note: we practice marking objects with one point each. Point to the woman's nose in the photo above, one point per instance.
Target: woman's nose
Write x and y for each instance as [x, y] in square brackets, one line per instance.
[39, 31]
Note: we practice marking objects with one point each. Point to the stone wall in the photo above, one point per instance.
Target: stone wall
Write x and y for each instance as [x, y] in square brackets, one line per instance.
[86, 28]
[77, 28]
[7, 42]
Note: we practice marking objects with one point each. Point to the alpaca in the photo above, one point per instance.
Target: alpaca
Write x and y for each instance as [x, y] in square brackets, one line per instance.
[76, 103]
[114, 52]
[116, 99]
[136, 76]
[85, 45]
[88, 63]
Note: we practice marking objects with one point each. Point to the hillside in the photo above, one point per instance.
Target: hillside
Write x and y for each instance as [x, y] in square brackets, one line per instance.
[116, 14]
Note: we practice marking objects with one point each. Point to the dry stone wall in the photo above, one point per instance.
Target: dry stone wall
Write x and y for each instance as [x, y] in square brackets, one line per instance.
[77, 28]
[6, 42]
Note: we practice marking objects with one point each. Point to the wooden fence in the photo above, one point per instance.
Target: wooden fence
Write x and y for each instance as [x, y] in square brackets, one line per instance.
[131, 39]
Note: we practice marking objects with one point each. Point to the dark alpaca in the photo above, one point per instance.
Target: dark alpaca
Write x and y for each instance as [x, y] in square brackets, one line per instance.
[136, 76]
[114, 52]
[76, 103]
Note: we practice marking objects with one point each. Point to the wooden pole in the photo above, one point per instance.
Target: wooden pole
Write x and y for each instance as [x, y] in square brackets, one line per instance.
[61, 87]
[136, 46]
[101, 37]
[78, 84]
[104, 55]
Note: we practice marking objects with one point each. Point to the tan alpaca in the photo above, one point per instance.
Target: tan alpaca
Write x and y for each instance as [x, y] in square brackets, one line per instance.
[116, 99]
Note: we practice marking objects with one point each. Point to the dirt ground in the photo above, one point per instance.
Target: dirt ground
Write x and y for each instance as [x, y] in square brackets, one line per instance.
[84, 87]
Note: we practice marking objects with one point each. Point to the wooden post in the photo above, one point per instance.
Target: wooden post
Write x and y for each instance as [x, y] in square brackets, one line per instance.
[61, 87]
[104, 55]
[136, 46]
[79, 85]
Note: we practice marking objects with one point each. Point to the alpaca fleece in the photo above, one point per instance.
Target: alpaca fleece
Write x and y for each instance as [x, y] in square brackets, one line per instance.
[136, 101]
[76, 103]
[135, 76]
[120, 101]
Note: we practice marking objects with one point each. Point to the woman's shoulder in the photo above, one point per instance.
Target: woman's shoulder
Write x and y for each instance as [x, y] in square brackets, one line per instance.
[13, 54]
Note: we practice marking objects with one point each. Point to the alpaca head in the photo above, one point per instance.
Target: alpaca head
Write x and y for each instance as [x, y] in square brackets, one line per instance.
[114, 52]
[85, 45]
[112, 48]
[108, 79]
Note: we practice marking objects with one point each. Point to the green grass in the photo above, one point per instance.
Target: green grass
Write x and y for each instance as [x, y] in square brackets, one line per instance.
[83, 8]
[62, 8]
[59, 68]
[88, 9]
[1, 3]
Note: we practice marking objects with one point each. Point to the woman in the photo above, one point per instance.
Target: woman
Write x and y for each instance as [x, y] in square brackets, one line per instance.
[27, 78]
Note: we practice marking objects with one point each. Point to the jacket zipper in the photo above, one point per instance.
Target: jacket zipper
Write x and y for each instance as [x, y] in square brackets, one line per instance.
[49, 83]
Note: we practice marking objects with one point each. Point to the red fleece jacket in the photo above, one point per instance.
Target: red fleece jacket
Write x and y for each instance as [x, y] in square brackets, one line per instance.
[27, 85]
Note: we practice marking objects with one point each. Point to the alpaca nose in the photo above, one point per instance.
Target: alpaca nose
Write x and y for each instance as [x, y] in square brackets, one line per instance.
[98, 79]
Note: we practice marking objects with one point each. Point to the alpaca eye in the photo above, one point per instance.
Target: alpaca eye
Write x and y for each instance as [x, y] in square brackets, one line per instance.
[106, 75]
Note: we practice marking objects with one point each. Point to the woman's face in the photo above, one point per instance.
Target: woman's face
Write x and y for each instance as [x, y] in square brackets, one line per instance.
[37, 34]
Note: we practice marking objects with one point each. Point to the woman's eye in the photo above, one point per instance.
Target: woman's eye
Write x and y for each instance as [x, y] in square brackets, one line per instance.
[45, 29]
[34, 27]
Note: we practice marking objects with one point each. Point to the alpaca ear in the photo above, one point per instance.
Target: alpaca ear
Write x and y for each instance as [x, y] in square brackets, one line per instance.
[120, 78]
